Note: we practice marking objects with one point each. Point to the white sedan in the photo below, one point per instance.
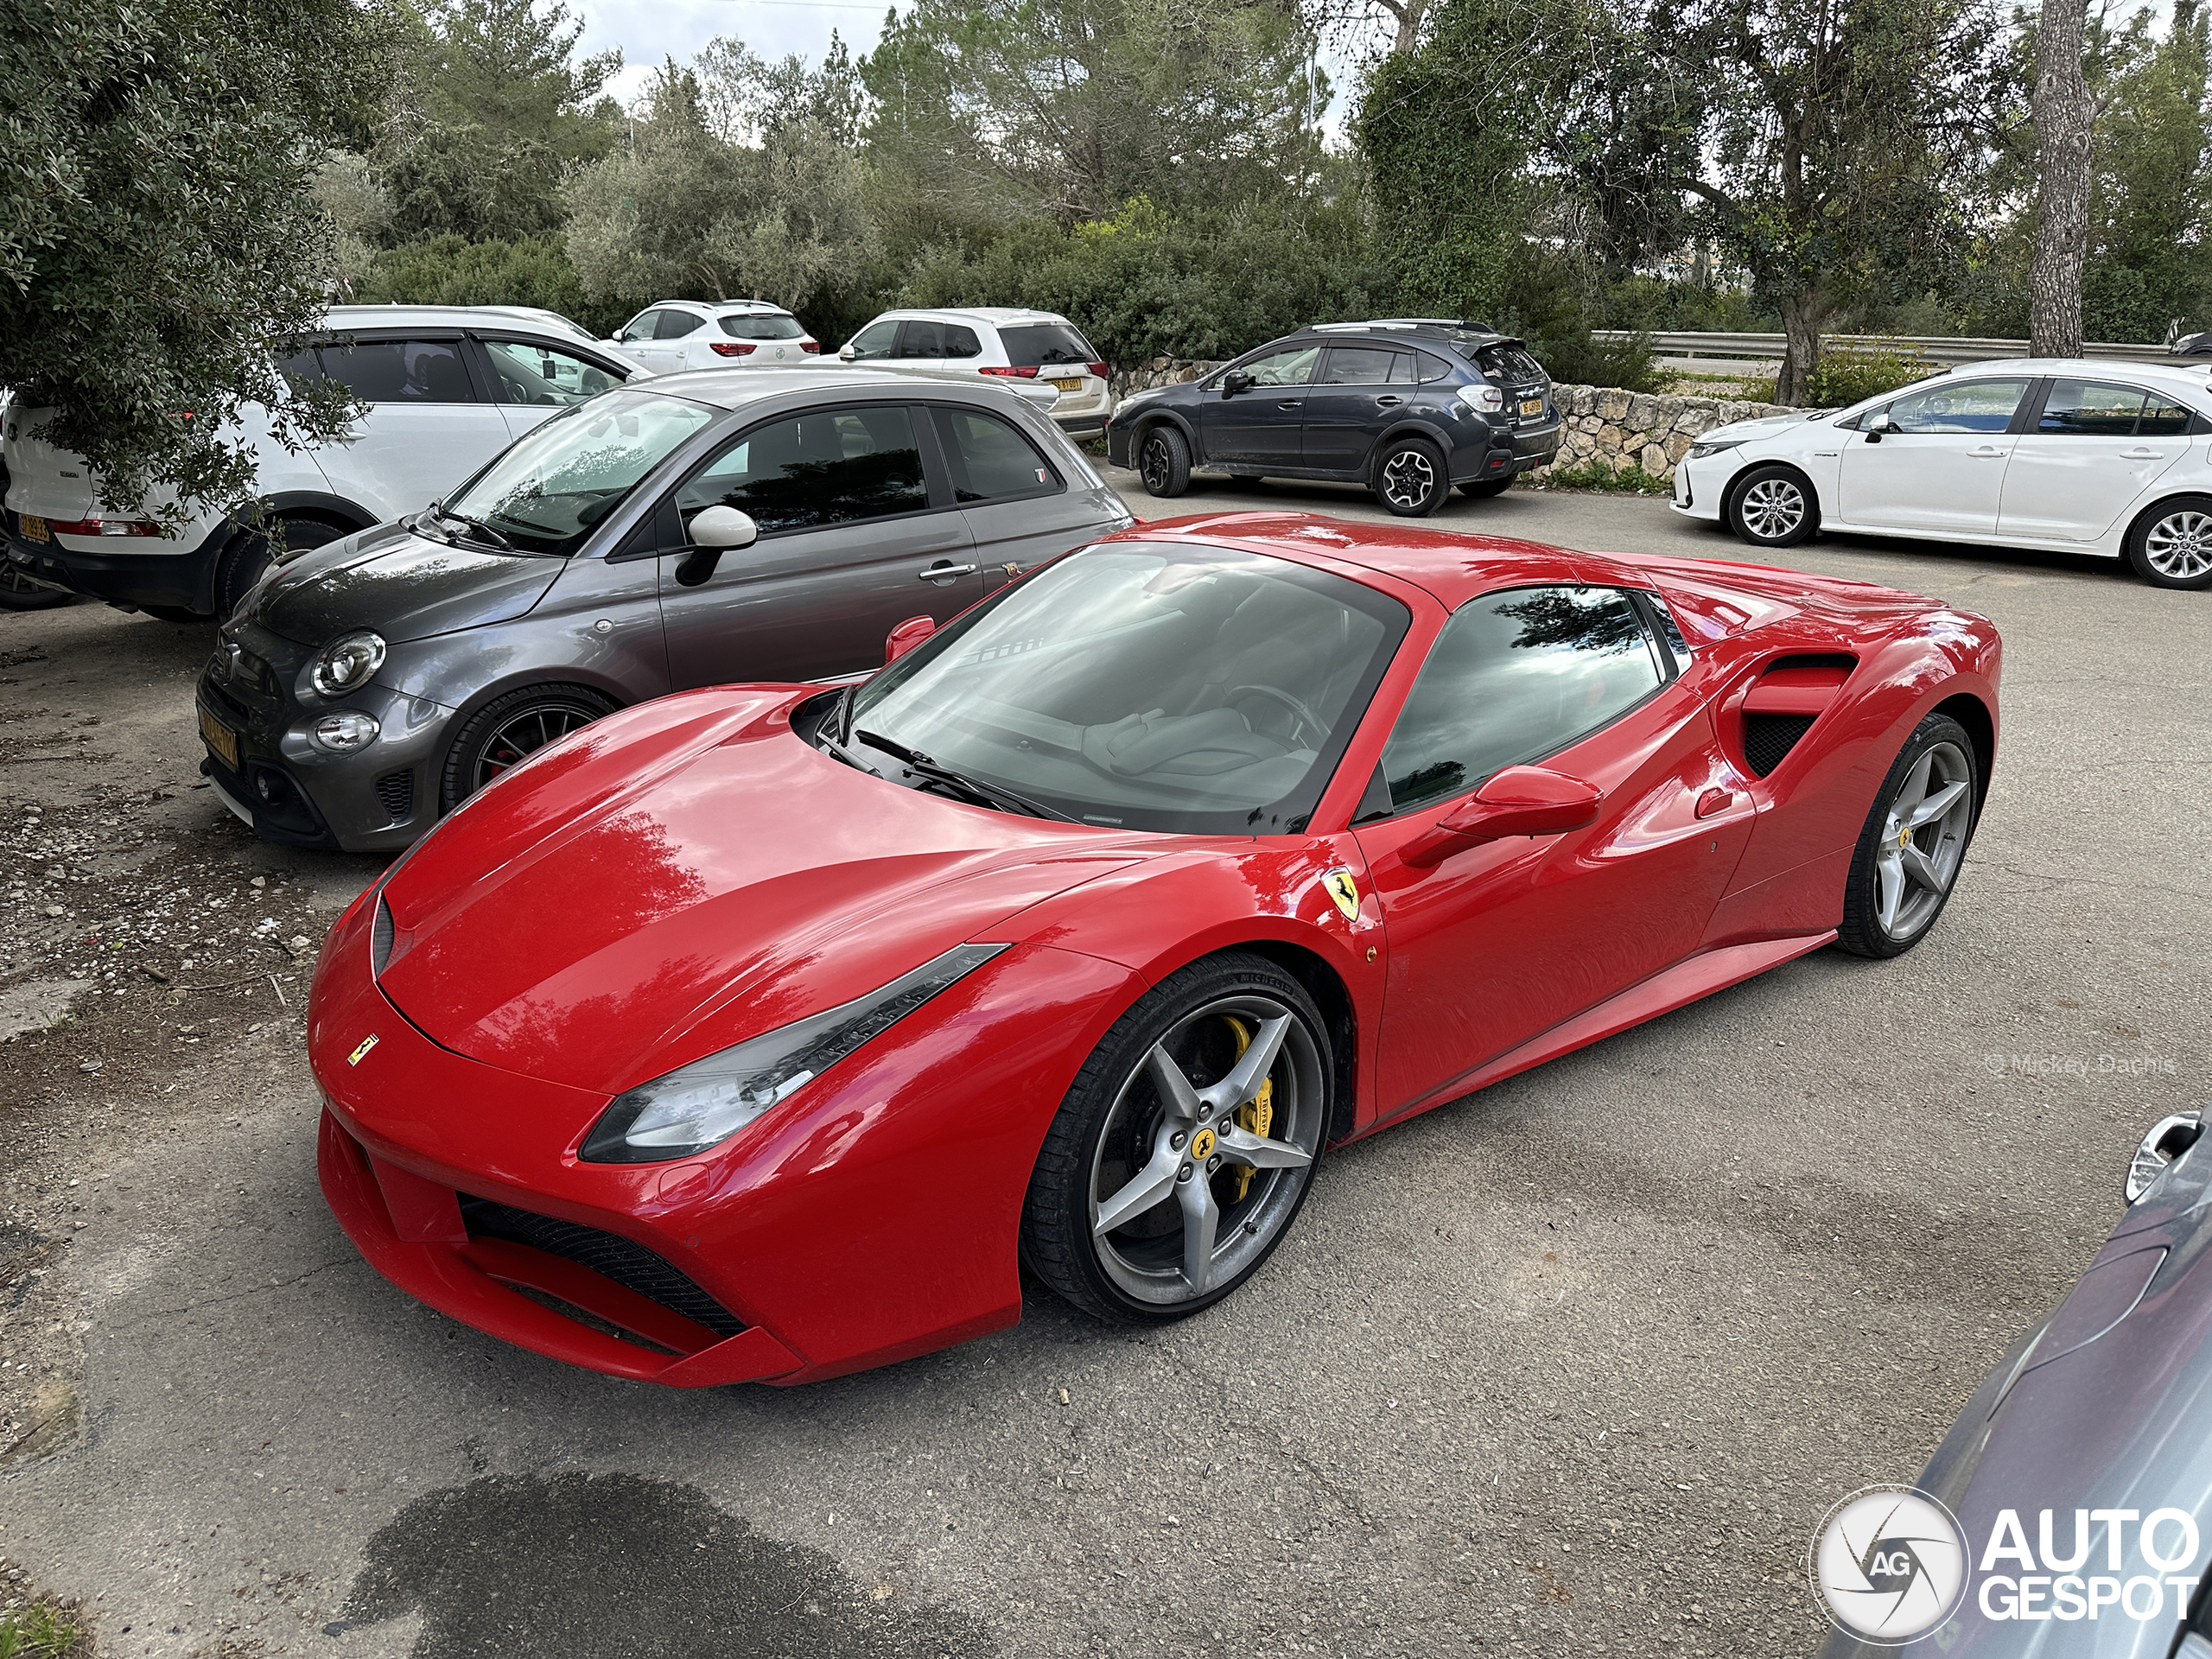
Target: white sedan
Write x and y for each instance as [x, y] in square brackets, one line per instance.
[2068, 455]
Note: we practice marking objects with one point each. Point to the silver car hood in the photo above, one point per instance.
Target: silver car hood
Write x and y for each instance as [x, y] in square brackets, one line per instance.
[401, 585]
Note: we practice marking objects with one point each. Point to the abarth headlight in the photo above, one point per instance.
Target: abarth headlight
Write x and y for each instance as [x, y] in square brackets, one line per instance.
[347, 664]
[1702, 448]
[705, 1102]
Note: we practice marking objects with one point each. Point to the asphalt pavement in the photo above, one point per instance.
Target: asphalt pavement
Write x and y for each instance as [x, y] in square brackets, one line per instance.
[1575, 1365]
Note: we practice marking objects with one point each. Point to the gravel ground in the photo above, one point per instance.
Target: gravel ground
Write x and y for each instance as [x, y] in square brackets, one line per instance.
[1575, 1364]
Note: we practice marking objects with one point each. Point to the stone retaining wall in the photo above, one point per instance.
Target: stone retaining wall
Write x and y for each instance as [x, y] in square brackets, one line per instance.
[1599, 426]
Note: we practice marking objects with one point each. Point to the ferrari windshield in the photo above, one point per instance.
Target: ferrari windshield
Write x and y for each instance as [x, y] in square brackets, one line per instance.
[1188, 688]
[545, 493]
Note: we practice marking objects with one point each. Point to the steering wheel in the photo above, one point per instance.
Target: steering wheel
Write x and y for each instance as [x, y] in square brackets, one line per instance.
[1307, 719]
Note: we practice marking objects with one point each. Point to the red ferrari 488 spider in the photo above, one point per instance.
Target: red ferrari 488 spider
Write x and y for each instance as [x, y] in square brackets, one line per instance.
[759, 1032]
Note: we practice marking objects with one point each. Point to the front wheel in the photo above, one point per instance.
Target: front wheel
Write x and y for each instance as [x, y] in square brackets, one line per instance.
[1185, 1145]
[1410, 478]
[508, 730]
[1164, 462]
[1773, 507]
[2172, 545]
[1914, 841]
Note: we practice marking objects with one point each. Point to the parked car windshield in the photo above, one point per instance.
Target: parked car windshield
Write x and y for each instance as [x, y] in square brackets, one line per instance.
[545, 493]
[1034, 344]
[762, 324]
[1192, 690]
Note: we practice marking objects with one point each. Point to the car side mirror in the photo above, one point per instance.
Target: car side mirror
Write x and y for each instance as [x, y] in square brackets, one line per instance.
[2170, 1137]
[1234, 382]
[1518, 801]
[845, 352]
[1877, 425]
[908, 634]
[715, 531]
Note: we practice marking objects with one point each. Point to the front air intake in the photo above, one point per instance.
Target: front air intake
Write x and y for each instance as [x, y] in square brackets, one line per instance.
[625, 1262]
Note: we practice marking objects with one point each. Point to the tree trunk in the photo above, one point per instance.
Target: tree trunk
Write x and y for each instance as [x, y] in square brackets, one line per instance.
[2062, 112]
[1801, 317]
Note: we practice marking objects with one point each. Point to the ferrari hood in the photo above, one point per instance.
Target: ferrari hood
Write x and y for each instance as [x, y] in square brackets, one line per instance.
[690, 873]
[401, 585]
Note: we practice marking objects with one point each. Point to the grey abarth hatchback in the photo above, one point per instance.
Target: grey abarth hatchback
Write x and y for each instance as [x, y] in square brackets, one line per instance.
[694, 529]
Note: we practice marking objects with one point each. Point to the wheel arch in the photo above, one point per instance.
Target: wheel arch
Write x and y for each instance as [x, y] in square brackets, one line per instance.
[1971, 712]
[1743, 475]
[1411, 427]
[2140, 519]
[1334, 999]
[1174, 417]
[246, 519]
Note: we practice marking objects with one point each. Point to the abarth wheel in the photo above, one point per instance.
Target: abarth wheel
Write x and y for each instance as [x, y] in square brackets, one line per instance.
[2172, 545]
[1409, 479]
[509, 730]
[1773, 507]
[1915, 839]
[1186, 1144]
[1164, 462]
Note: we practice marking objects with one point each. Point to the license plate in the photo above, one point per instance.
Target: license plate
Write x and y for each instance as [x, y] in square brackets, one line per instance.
[1532, 405]
[220, 739]
[34, 528]
[1069, 385]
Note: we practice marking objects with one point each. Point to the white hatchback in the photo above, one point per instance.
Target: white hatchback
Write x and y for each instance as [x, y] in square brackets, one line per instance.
[672, 335]
[1001, 342]
[448, 388]
[2070, 454]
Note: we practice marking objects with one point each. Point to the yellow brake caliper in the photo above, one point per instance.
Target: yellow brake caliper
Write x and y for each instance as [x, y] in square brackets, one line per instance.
[1256, 1114]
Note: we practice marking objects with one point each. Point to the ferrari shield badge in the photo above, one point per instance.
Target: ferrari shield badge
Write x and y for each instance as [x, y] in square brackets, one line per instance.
[359, 1054]
[1345, 891]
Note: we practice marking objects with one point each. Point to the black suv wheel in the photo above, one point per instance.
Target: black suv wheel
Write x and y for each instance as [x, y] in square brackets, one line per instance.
[1410, 478]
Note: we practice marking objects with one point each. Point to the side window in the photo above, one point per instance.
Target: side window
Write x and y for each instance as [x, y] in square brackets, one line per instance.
[1292, 368]
[921, 340]
[1431, 369]
[2163, 418]
[641, 326]
[2090, 408]
[300, 369]
[1361, 366]
[529, 371]
[961, 341]
[828, 467]
[1513, 678]
[1970, 406]
[675, 325]
[990, 460]
[401, 370]
[877, 340]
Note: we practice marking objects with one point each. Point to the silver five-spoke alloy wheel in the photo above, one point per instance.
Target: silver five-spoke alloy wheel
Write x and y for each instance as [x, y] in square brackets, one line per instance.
[1409, 479]
[1207, 1150]
[1924, 839]
[2179, 546]
[1773, 508]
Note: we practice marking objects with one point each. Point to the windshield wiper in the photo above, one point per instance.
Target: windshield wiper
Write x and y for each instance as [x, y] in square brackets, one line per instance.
[985, 794]
[476, 524]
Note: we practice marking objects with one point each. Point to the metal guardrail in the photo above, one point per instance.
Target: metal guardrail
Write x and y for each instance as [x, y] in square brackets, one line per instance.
[1769, 347]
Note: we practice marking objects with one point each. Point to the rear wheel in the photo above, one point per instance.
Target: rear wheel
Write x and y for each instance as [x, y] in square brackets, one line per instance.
[248, 556]
[1482, 488]
[19, 593]
[1164, 460]
[1185, 1145]
[1410, 478]
[2172, 545]
[1773, 507]
[508, 730]
[1914, 841]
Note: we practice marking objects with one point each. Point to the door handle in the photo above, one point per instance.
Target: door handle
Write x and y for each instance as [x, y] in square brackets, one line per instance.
[1298, 403]
[2143, 454]
[943, 572]
[1390, 398]
[1989, 452]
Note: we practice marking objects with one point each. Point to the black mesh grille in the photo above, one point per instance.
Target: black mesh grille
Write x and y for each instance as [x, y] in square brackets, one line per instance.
[396, 791]
[628, 1264]
[1767, 738]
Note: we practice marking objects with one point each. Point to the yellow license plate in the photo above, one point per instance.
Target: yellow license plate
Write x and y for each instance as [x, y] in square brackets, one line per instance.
[1069, 385]
[220, 739]
[34, 528]
[1532, 405]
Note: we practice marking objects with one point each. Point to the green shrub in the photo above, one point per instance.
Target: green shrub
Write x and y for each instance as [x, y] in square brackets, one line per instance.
[1847, 373]
[1596, 475]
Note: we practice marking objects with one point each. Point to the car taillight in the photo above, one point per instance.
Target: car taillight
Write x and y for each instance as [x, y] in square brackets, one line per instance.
[106, 527]
[810, 346]
[732, 347]
[1019, 370]
[1098, 369]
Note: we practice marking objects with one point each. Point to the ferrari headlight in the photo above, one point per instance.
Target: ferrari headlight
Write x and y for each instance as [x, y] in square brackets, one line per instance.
[1702, 448]
[347, 664]
[700, 1105]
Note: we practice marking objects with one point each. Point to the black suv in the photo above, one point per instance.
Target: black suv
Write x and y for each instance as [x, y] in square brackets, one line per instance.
[1407, 406]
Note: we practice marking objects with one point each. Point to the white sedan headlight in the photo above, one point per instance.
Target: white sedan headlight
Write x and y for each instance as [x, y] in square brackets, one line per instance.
[347, 664]
[1702, 447]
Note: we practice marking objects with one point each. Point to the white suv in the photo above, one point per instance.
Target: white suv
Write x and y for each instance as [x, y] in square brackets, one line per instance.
[673, 335]
[1000, 341]
[448, 387]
